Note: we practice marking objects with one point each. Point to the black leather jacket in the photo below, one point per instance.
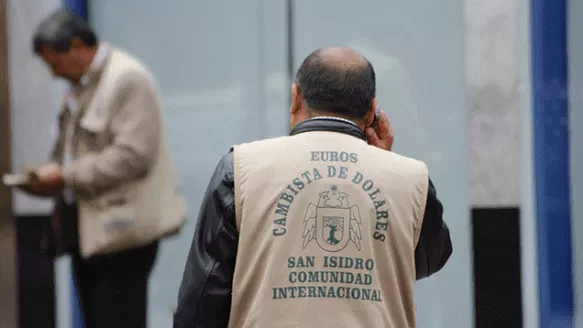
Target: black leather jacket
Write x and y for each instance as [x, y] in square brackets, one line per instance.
[204, 298]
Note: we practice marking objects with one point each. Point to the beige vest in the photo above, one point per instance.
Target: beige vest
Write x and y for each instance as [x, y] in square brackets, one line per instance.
[327, 232]
[152, 206]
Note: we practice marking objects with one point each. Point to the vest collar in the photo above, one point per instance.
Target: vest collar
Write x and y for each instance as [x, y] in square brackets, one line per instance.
[331, 124]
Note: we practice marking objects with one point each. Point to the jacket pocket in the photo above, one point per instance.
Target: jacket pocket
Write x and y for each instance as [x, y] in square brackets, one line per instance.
[94, 133]
[116, 219]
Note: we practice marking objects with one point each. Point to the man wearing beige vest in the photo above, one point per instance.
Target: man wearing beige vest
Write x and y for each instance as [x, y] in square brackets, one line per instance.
[323, 228]
[110, 172]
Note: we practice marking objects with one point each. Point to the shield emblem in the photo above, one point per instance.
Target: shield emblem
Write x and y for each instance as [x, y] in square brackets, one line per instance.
[332, 228]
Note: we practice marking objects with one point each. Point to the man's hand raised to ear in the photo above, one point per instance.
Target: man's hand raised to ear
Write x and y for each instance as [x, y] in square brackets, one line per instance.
[382, 135]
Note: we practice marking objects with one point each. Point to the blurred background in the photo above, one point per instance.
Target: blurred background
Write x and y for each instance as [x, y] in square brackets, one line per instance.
[486, 92]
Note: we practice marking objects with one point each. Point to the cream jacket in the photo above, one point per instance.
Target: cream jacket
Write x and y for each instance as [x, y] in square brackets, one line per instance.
[123, 175]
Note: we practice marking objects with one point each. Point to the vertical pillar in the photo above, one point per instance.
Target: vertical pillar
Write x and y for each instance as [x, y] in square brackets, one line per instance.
[551, 161]
[8, 247]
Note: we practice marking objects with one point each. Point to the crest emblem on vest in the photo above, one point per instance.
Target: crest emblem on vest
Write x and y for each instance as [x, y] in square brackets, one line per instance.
[333, 223]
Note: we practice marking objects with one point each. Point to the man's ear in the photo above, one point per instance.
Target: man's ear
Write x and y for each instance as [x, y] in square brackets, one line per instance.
[296, 99]
[369, 117]
[77, 43]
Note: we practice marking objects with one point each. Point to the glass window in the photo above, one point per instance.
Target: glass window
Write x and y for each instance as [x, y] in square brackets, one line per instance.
[222, 73]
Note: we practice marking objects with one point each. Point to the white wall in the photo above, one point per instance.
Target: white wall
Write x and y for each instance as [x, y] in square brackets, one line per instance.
[492, 83]
[34, 96]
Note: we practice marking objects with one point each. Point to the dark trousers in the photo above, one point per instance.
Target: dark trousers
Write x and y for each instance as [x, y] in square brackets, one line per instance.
[113, 288]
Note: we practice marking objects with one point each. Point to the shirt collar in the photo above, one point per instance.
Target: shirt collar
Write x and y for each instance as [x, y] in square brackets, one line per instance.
[331, 124]
[333, 118]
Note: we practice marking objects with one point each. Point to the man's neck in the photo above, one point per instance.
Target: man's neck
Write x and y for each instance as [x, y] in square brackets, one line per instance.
[316, 115]
[90, 57]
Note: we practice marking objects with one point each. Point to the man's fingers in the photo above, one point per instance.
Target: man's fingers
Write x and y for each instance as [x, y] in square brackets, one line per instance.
[384, 126]
[382, 135]
[372, 137]
[47, 170]
[385, 131]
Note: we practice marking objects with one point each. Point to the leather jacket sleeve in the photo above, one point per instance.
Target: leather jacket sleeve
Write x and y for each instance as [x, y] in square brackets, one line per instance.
[204, 298]
[434, 247]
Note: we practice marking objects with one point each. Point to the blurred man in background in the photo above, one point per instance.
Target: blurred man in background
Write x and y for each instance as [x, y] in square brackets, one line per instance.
[319, 228]
[110, 172]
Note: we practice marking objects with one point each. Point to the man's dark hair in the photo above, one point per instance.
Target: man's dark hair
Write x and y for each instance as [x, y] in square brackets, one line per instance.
[346, 89]
[58, 31]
